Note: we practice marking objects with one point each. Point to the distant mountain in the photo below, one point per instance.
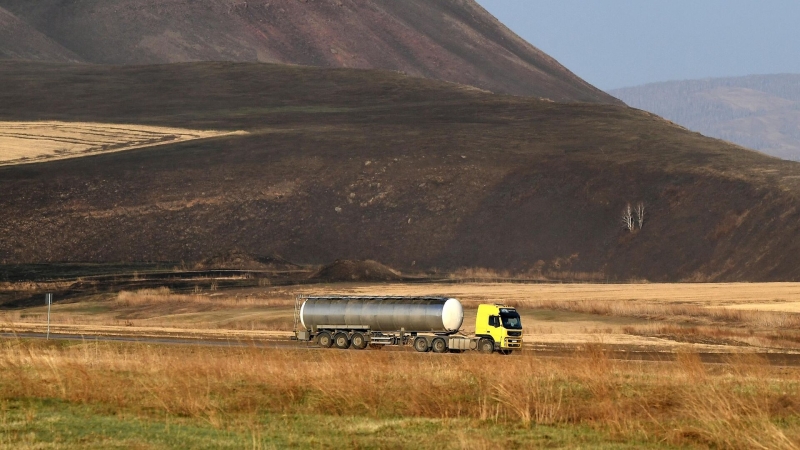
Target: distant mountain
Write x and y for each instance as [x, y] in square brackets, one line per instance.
[761, 112]
[450, 40]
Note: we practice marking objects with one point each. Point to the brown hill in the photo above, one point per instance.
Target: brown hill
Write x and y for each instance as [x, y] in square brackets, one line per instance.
[451, 40]
[413, 173]
[20, 41]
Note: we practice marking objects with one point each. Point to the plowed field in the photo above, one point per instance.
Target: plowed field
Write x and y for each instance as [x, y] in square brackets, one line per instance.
[27, 142]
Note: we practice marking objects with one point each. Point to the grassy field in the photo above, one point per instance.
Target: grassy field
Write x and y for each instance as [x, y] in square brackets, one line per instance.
[103, 395]
[96, 395]
[25, 142]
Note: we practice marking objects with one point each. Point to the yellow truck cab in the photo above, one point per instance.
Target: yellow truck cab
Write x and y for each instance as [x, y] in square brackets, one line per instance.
[500, 325]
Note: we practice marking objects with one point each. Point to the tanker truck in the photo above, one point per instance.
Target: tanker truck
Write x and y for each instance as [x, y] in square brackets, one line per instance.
[425, 323]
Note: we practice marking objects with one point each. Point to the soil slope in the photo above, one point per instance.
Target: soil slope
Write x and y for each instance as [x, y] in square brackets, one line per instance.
[414, 173]
[452, 40]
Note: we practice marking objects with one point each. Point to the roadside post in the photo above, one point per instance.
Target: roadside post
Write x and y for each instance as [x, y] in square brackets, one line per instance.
[49, 299]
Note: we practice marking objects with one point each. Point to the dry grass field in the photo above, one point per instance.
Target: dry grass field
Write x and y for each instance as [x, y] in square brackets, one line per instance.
[732, 317]
[26, 142]
[95, 394]
[708, 315]
[118, 395]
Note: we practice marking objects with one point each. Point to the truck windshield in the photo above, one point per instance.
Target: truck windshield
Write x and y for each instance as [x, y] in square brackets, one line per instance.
[511, 320]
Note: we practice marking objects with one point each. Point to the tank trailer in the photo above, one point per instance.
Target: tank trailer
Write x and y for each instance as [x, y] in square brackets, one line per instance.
[426, 323]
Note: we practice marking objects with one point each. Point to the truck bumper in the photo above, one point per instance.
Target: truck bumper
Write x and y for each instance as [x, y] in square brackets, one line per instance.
[512, 342]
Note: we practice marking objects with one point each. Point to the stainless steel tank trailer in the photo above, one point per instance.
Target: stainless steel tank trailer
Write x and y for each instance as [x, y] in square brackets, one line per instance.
[426, 323]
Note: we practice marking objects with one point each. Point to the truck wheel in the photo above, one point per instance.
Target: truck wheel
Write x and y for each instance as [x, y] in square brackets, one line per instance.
[324, 339]
[358, 341]
[340, 340]
[421, 344]
[486, 345]
[439, 345]
[505, 352]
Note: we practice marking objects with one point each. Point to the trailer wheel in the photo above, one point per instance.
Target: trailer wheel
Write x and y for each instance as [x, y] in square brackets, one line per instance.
[421, 344]
[439, 345]
[486, 345]
[358, 341]
[324, 339]
[340, 340]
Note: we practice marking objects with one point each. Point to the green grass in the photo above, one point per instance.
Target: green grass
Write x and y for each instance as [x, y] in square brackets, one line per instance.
[28, 424]
[52, 424]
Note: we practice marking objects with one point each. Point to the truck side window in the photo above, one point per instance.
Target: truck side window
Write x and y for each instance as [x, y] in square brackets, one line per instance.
[494, 321]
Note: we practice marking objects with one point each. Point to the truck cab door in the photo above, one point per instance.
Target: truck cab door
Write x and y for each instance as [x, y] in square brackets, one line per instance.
[496, 329]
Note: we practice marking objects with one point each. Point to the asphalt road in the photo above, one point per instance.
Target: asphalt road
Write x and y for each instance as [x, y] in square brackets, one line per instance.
[775, 359]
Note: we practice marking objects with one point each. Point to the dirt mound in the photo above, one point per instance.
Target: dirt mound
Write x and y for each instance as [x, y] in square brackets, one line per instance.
[277, 263]
[238, 260]
[451, 40]
[348, 270]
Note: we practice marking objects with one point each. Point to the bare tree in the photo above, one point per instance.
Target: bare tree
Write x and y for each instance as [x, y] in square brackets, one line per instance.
[627, 217]
[639, 210]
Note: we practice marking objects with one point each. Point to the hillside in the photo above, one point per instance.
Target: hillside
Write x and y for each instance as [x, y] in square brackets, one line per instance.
[761, 112]
[20, 41]
[416, 174]
[451, 40]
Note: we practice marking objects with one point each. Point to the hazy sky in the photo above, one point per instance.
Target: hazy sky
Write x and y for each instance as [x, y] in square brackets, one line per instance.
[620, 43]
